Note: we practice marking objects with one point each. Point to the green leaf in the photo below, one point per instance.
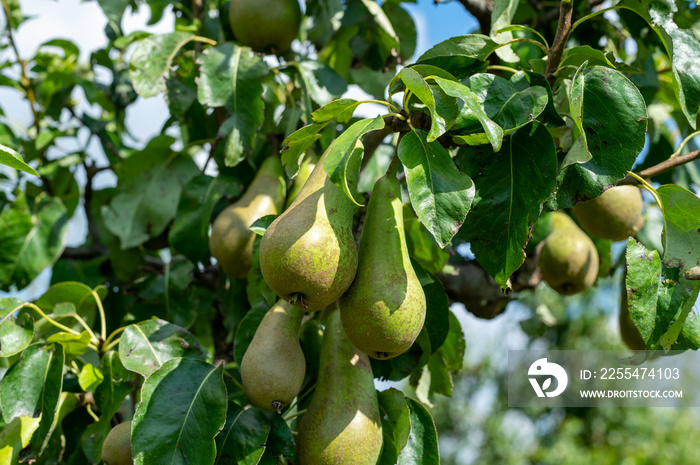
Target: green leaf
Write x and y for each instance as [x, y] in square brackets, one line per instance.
[16, 330]
[613, 119]
[501, 16]
[524, 79]
[260, 225]
[437, 315]
[48, 403]
[461, 56]
[655, 304]
[405, 28]
[89, 377]
[492, 131]
[182, 408]
[280, 442]
[243, 437]
[443, 111]
[72, 344]
[421, 244]
[511, 186]
[150, 184]
[509, 107]
[246, 330]
[150, 62]
[681, 236]
[117, 384]
[15, 437]
[189, 233]
[230, 76]
[396, 424]
[32, 238]
[342, 162]
[326, 16]
[80, 299]
[453, 348]
[441, 196]
[681, 45]
[322, 82]
[13, 159]
[398, 368]
[294, 146]
[422, 445]
[576, 56]
[21, 389]
[340, 110]
[145, 347]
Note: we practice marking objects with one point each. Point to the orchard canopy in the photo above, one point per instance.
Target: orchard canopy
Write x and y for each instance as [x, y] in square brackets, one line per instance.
[460, 201]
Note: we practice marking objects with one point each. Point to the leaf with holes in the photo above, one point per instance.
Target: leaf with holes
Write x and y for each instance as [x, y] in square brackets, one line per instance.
[146, 346]
[150, 62]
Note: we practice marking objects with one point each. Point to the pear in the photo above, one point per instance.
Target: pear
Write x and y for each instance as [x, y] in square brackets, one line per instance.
[231, 241]
[265, 25]
[308, 255]
[342, 424]
[614, 215]
[568, 259]
[116, 450]
[273, 366]
[384, 309]
[305, 170]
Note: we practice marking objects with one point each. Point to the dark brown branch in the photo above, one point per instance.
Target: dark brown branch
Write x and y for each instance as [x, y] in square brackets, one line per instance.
[663, 167]
[90, 172]
[86, 252]
[560, 39]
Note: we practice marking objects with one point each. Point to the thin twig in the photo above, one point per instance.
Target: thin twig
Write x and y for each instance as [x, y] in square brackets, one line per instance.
[560, 39]
[662, 167]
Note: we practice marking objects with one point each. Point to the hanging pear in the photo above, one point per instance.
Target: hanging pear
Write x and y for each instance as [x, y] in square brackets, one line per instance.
[231, 241]
[568, 259]
[273, 366]
[384, 309]
[342, 424]
[308, 255]
[614, 215]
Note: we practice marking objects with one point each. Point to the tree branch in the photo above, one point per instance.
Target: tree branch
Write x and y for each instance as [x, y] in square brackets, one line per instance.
[105, 141]
[481, 10]
[663, 167]
[562, 35]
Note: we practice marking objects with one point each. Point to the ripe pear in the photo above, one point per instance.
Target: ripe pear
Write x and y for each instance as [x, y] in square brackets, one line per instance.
[384, 309]
[265, 25]
[305, 170]
[342, 424]
[614, 215]
[116, 450]
[568, 259]
[231, 241]
[273, 366]
[308, 255]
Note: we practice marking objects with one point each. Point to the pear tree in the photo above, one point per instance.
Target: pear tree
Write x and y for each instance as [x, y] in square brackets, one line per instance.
[320, 205]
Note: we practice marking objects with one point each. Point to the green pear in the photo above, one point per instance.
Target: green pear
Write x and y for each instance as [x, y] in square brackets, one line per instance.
[231, 241]
[273, 366]
[265, 25]
[305, 170]
[614, 215]
[384, 309]
[342, 424]
[568, 259]
[116, 450]
[308, 255]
